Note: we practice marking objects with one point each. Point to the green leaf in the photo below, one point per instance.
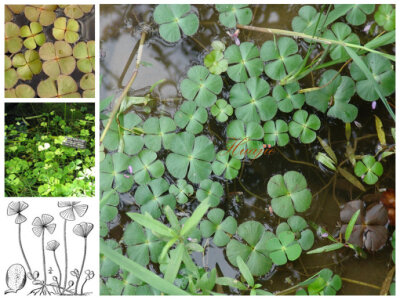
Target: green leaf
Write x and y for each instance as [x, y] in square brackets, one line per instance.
[232, 14]
[244, 61]
[357, 12]
[340, 32]
[283, 246]
[44, 14]
[251, 102]
[287, 97]
[108, 205]
[111, 172]
[175, 17]
[245, 271]
[66, 30]
[289, 193]
[211, 191]
[385, 16]
[146, 220]
[158, 131]
[33, 35]
[12, 41]
[87, 84]
[194, 219]
[146, 166]
[276, 133]
[57, 59]
[27, 64]
[182, 190]
[281, 57]
[327, 248]
[221, 110]
[215, 62]
[85, 55]
[350, 225]
[77, 11]
[140, 272]
[303, 125]
[201, 86]
[215, 225]
[191, 117]
[63, 87]
[174, 263]
[223, 164]
[307, 21]
[368, 169]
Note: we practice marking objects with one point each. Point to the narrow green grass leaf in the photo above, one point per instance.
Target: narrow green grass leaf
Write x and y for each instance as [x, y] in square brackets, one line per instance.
[174, 263]
[194, 220]
[326, 248]
[351, 224]
[244, 269]
[152, 224]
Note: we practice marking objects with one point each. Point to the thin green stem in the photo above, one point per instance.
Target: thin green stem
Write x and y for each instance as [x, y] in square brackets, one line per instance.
[83, 263]
[372, 286]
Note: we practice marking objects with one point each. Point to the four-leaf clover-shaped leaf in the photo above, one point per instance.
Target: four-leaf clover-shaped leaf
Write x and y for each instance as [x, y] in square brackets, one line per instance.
[57, 58]
[64, 87]
[298, 226]
[190, 117]
[211, 191]
[143, 245]
[289, 193]
[175, 17]
[158, 131]
[84, 53]
[221, 229]
[66, 30]
[368, 169]
[254, 252]
[287, 97]
[20, 91]
[244, 61]
[303, 126]
[223, 164]
[340, 32]
[112, 170]
[232, 14]
[33, 35]
[385, 16]
[12, 41]
[276, 133]
[357, 12]
[307, 20]
[281, 57]
[10, 75]
[251, 102]
[201, 86]
[191, 156]
[44, 14]
[145, 166]
[152, 196]
[27, 64]
[335, 94]
[87, 84]
[77, 11]
[182, 190]
[244, 138]
[283, 247]
[382, 71]
[221, 110]
[215, 62]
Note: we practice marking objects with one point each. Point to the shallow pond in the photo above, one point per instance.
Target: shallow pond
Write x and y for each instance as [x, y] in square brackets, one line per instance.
[120, 34]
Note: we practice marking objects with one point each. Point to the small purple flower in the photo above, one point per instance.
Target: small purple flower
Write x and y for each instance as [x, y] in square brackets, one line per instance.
[234, 36]
[130, 170]
[189, 239]
[373, 105]
[362, 176]
[126, 176]
[325, 235]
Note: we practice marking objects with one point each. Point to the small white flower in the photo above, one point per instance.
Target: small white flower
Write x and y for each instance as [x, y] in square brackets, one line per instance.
[44, 147]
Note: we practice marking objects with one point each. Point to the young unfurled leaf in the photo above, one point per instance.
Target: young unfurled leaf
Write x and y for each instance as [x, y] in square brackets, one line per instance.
[66, 30]
[215, 62]
[57, 59]
[33, 35]
[182, 190]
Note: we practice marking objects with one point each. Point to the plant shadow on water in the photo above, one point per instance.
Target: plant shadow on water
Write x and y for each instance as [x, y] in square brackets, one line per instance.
[121, 27]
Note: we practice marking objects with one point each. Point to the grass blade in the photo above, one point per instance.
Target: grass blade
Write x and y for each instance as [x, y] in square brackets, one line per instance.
[174, 263]
[327, 248]
[195, 218]
[140, 272]
[351, 224]
[152, 224]
[244, 269]
[353, 180]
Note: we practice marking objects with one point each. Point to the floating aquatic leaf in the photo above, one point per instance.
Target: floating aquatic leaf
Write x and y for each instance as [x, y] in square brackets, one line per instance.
[340, 32]
[232, 14]
[287, 97]
[33, 35]
[244, 139]
[325, 284]
[335, 94]
[201, 86]
[108, 205]
[64, 87]
[57, 59]
[44, 14]
[216, 225]
[303, 126]
[253, 250]
[385, 16]
[66, 30]
[173, 18]
[289, 193]
[145, 166]
[12, 41]
[244, 61]
[368, 169]
[87, 84]
[251, 102]
[210, 191]
[77, 11]
[191, 156]
[85, 55]
[10, 75]
[223, 164]
[215, 62]
[298, 226]
[276, 133]
[281, 57]
[21, 91]
[182, 190]
[158, 131]
[112, 170]
[27, 64]
[382, 71]
[191, 118]
[326, 161]
[10, 10]
[221, 110]
[307, 20]
[153, 196]
[357, 12]
[283, 247]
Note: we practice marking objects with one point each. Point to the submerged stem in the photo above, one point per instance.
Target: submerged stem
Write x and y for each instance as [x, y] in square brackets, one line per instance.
[370, 285]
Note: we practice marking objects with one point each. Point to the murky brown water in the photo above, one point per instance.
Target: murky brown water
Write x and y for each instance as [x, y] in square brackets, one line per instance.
[120, 34]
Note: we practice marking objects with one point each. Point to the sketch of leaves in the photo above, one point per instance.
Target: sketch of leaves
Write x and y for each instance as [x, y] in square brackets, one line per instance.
[15, 208]
[72, 208]
[40, 224]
